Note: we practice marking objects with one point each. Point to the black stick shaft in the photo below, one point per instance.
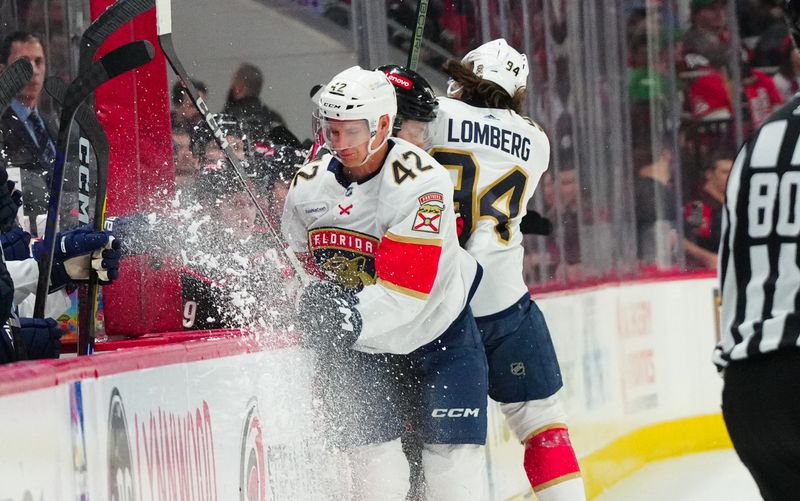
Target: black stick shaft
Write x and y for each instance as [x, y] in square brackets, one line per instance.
[115, 63]
[96, 136]
[419, 29]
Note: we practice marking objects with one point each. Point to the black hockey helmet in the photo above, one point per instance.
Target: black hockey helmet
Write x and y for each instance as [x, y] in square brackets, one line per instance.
[791, 10]
[415, 97]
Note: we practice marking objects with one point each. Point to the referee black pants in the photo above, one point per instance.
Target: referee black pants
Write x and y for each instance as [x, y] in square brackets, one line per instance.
[761, 407]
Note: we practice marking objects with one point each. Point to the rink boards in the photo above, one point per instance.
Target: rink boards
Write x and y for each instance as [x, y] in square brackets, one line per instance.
[230, 418]
[639, 384]
[208, 420]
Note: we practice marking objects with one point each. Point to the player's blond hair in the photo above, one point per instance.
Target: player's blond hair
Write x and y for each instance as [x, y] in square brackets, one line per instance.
[477, 90]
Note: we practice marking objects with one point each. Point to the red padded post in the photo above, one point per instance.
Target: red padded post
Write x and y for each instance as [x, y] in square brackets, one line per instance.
[134, 110]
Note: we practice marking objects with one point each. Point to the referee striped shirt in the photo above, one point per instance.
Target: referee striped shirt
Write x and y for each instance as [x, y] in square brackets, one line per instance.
[758, 257]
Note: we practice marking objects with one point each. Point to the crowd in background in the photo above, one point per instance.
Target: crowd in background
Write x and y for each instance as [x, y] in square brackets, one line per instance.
[689, 79]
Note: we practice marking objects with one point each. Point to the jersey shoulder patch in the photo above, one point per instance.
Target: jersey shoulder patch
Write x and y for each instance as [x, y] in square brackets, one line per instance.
[429, 213]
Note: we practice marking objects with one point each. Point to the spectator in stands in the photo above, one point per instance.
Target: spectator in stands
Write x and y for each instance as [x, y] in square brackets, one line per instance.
[787, 78]
[28, 135]
[186, 164]
[708, 34]
[245, 105]
[542, 252]
[761, 93]
[655, 202]
[645, 82]
[184, 113]
[756, 17]
[232, 272]
[570, 264]
[703, 214]
[707, 96]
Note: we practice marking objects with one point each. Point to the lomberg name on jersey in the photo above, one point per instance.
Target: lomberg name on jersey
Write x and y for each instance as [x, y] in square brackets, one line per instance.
[492, 136]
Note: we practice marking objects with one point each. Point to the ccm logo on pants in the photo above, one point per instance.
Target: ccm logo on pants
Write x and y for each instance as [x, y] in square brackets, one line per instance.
[457, 412]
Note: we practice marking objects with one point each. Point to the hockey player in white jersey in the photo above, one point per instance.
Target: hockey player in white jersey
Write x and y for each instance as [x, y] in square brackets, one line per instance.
[375, 219]
[496, 157]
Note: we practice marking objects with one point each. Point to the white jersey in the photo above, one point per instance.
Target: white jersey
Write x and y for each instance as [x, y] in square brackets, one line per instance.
[393, 237]
[496, 158]
[25, 275]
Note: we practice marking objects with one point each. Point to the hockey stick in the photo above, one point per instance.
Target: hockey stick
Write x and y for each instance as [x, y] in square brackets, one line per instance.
[116, 15]
[12, 80]
[164, 22]
[419, 28]
[113, 64]
[96, 136]
[112, 19]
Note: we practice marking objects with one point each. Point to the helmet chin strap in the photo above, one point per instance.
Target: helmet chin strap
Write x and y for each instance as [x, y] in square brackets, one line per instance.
[372, 149]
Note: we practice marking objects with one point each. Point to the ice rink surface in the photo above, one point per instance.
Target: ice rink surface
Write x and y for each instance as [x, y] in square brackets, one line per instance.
[708, 476]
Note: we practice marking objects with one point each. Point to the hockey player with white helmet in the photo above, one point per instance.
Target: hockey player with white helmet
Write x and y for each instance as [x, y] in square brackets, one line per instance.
[496, 157]
[375, 219]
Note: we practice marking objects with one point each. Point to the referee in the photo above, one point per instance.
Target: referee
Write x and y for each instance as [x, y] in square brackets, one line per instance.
[760, 279]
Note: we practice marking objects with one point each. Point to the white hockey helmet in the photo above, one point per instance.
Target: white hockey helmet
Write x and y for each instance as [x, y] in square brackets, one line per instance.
[500, 63]
[358, 94]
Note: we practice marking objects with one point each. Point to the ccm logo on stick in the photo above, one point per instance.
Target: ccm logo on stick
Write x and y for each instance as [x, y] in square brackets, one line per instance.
[457, 412]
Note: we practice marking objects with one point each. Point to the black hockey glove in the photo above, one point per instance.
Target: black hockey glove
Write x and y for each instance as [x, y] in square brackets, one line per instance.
[80, 250]
[16, 244]
[534, 223]
[10, 201]
[42, 337]
[328, 317]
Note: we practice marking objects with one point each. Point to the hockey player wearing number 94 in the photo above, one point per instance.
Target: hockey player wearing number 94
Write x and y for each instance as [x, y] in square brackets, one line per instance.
[496, 157]
[390, 321]
[760, 322]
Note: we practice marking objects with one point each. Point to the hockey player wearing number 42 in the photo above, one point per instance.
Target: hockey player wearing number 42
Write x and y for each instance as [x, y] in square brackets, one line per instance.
[758, 351]
[496, 158]
[391, 320]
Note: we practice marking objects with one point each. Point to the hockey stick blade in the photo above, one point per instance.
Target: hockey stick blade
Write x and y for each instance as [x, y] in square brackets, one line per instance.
[111, 65]
[115, 16]
[12, 80]
[120, 60]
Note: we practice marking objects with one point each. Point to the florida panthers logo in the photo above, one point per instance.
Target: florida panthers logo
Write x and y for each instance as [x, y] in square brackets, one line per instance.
[349, 273]
[429, 214]
[345, 256]
[252, 464]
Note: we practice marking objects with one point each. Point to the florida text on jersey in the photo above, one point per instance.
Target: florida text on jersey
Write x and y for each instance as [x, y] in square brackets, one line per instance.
[496, 158]
[392, 237]
[758, 268]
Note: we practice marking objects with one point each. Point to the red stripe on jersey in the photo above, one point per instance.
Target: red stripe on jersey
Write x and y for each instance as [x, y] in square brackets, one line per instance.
[407, 262]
